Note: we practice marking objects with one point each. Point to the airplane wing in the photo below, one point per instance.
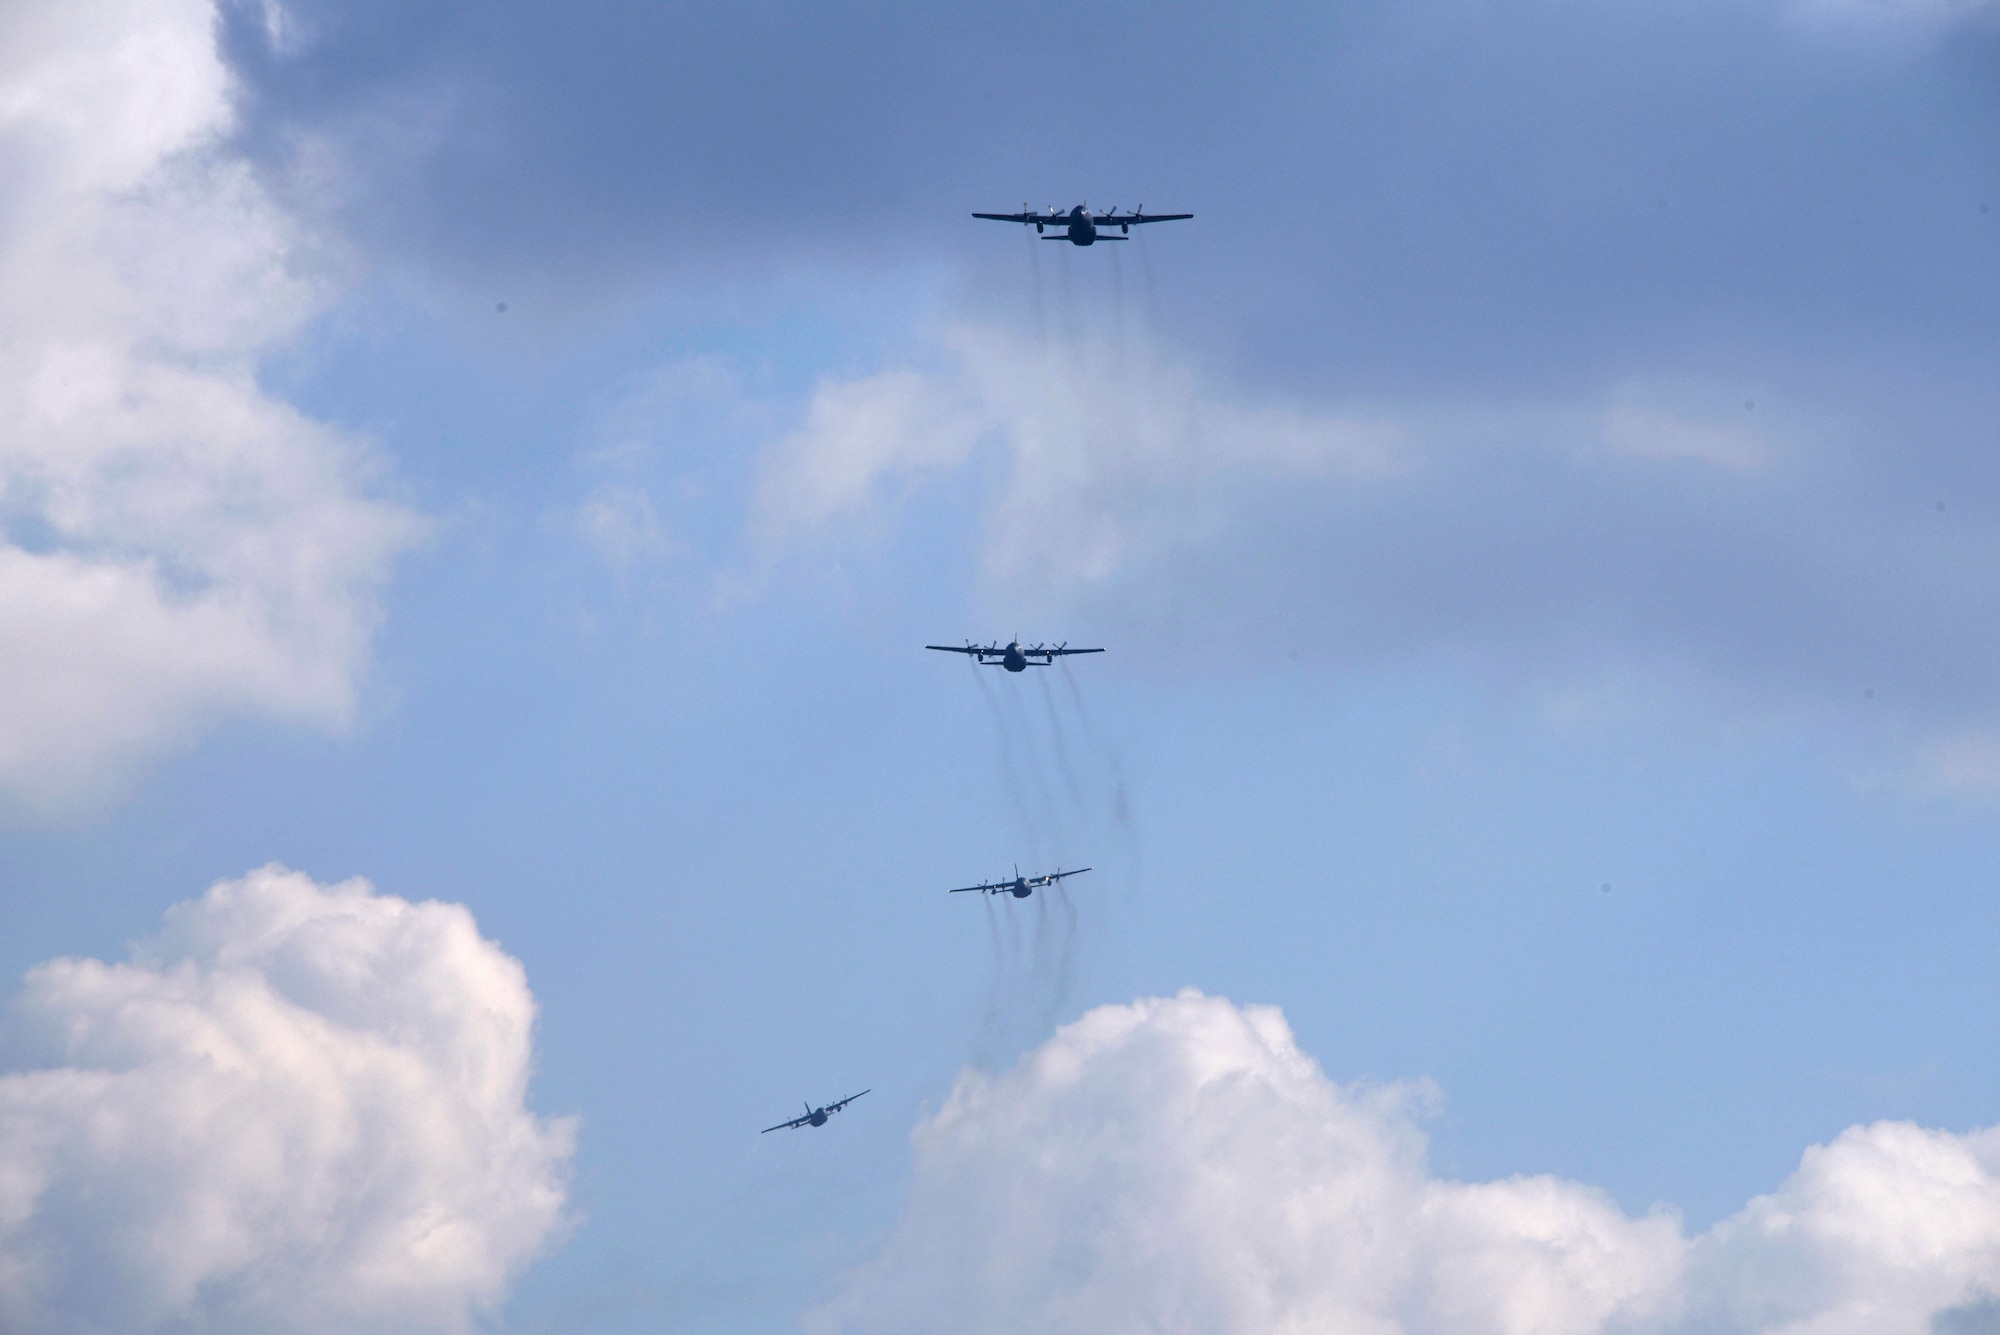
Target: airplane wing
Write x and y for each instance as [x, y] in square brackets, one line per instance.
[836, 1107]
[1058, 651]
[1111, 219]
[967, 889]
[1053, 877]
[786, 1126]
[973, 649]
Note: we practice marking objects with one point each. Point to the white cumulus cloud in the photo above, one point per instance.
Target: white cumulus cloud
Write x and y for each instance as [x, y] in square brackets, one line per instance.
[175, 544]
[301, 1108]
[1178, 1165]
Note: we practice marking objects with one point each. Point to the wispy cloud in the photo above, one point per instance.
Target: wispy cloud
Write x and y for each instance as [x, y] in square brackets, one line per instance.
[863, 443]
[1679, 530]
[619, 523]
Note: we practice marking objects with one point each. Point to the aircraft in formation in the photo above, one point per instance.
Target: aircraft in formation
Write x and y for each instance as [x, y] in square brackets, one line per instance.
[1020, 887]
[813, 1116]
[1081, 227]
[1013, 655]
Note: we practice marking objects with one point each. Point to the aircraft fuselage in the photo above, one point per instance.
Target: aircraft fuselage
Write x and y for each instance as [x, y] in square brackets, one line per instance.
[819, 1117]
[1011, 657]
[1079, 226]
[1020, 889]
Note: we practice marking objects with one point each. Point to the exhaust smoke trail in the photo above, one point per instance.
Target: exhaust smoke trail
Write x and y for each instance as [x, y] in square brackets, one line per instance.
[993, 935]
[1152, 293]
[1009, 778]
[1119, 806]
[988, 1049]
[1040, 959]
[1118, 321]
[1068, 304]
[1061, 747]
[1035, 290]
[1065, 961]
[1107, 755]
[1055, 955]
[1065, 780]
[1048, 808]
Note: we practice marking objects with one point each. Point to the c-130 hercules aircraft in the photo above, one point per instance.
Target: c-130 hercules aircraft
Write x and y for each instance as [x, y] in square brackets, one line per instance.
[1080, 227]
[813, 1116]
[1020, 887]
[1013, 656]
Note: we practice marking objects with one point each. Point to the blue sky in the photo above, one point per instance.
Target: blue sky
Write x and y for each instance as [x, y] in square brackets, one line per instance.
[1540, 515]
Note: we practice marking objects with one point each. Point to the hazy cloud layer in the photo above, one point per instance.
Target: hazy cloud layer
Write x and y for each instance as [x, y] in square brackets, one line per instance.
[300, 1109]
[175, 545]
[1456, 359]
[1179, 1165]
[1671, 529]
[1442, 195]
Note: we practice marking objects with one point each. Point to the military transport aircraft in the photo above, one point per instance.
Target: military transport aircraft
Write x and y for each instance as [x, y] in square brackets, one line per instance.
[1080, 227]
[813, 1116]
[1020, 887]
[1013, 655]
